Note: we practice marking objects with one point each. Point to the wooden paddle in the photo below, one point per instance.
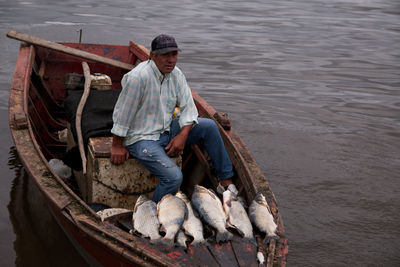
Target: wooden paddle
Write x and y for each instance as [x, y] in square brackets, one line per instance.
[31, 39]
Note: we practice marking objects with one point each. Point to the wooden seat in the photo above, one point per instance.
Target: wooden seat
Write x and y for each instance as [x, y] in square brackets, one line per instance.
[116, 186]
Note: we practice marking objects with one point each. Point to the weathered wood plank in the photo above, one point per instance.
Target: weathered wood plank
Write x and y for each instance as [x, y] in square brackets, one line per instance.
[271, 253]
[201, 252]
[245, 252]
[194, 256]
[224, 254]
[31, 39]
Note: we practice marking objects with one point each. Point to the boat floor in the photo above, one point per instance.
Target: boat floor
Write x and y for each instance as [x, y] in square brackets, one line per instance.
[234, 253]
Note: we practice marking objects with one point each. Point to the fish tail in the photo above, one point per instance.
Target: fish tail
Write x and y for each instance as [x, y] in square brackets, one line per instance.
[199, 242]
[224, 236]
[250, 240]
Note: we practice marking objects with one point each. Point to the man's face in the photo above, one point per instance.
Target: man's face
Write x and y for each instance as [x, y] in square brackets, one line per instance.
[165, 62]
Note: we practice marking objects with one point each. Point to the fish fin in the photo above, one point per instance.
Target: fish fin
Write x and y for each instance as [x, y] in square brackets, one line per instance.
[269, 209]
[229, 225]
[157, 241]
[162, 229]
[211, 239]
[168, 243]
[186, 212]
[223, 237]
[200, 242]
[239, 231]
[196, 214]
[135, 209]
[250, 240]
[264, 204]
[234, 197]
[179, 245]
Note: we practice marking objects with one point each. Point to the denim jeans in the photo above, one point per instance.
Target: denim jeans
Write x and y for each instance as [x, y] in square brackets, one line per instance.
[152, 154]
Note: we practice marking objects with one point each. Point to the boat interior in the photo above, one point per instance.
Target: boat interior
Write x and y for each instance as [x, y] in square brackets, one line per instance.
[45, 106]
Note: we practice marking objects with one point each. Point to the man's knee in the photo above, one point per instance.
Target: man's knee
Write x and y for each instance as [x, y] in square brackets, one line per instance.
[178, 177]
[174, 176]
[208, 124]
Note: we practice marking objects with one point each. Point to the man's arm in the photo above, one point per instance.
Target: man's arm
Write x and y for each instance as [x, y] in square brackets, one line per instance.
[119, 153]
[188, 110]
[177, 144]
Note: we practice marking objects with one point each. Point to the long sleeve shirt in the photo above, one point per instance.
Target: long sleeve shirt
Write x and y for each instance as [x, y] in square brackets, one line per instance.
[147, 101]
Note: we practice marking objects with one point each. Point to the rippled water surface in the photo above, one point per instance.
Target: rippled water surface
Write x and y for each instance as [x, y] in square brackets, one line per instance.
[313, 88]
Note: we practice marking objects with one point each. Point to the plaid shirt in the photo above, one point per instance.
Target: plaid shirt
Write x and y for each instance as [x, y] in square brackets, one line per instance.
[147, 101]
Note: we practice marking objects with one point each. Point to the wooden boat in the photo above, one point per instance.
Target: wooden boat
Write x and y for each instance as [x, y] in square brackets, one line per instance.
[35, 114]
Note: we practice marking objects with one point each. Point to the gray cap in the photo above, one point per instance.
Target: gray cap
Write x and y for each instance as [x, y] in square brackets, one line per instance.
[163, 44]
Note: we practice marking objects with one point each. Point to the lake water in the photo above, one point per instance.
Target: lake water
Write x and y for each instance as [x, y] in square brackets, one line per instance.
[313, 88]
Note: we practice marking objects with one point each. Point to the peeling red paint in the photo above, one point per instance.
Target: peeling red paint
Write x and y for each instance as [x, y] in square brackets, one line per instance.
[175, 254]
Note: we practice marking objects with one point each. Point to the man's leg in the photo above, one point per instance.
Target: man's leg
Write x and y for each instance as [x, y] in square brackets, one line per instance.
[152, 155]
[206, 132]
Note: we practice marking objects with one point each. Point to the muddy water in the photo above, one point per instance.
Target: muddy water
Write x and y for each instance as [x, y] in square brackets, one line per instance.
[313, 88]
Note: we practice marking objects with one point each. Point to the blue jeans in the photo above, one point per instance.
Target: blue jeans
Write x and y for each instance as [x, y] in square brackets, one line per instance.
[152, 154]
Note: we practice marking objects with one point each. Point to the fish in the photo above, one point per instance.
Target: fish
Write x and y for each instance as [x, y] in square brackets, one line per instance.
[105, 213]
[192, 225]
[237, 216]
[144, 218]
[260, 215]
[243, 202]
[181, 239]
[172, 212]
[210, 209]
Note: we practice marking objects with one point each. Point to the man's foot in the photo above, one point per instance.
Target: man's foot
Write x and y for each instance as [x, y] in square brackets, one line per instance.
[225, 182]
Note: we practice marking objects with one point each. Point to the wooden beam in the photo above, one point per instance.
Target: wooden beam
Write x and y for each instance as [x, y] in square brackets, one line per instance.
[31, 39]
[79, 111]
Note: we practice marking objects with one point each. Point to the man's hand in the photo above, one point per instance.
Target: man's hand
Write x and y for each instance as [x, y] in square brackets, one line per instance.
[119, 153]
[177, 144]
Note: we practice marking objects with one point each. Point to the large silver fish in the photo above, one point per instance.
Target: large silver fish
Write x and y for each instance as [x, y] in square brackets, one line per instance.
[144, 218]
[237, 216]
[260, 215]
[171, 212]
[192, 225]
[210, 209]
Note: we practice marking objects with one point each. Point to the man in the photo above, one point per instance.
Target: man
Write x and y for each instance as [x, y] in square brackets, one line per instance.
[143, 123]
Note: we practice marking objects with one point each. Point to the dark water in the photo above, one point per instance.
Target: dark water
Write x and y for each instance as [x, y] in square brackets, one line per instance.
[313, 88]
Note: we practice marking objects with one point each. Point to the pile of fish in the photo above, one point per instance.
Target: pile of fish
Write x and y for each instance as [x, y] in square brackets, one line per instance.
[179, 218]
